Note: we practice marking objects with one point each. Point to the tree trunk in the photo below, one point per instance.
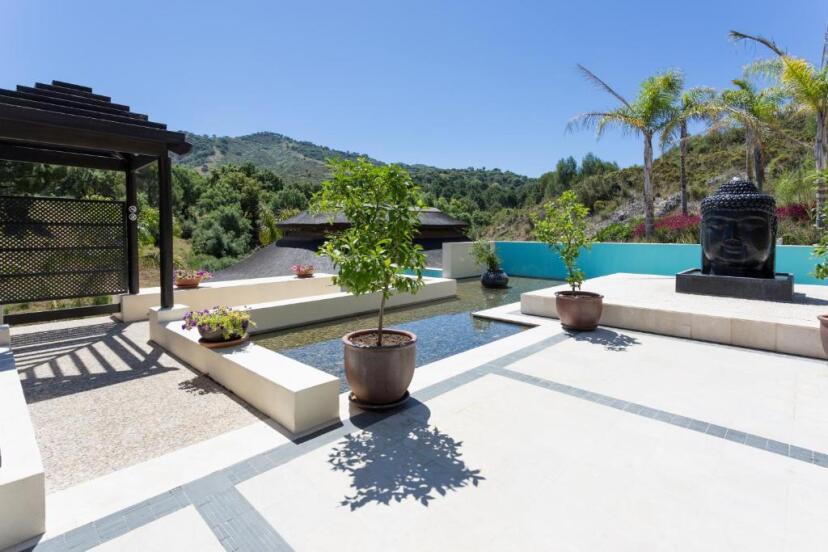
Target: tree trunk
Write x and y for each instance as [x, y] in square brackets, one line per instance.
[381, 316]
[758, 166]
[649, 211]
[748, 150]
[820, 161]
[683, 167]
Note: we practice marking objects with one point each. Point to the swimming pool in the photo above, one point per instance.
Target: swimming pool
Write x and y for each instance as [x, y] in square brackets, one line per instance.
[443, 328]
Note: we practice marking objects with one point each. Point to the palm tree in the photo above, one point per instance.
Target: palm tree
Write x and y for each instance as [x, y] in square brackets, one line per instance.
[647, 115]
[755, 111]
[695, 104]
[807, 85]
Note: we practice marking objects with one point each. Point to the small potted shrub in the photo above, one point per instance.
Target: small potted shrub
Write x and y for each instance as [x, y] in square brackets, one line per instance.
[564, 230]
[485, 254]
[821, 272]
[302, 271]
[186, 278]
[382, 203]
[219, 326]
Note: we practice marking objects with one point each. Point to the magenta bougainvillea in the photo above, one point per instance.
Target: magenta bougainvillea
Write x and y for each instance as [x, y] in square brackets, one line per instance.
[676, 223]
[795, 211]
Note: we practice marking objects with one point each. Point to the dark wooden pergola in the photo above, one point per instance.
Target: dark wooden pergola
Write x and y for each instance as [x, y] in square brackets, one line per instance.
[68, 124]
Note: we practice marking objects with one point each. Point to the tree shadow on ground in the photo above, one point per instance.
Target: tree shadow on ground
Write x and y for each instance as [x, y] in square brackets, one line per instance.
[610, 340]
[401, 457]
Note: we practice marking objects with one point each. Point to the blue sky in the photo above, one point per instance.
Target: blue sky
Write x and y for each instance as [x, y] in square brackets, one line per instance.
[452, 84]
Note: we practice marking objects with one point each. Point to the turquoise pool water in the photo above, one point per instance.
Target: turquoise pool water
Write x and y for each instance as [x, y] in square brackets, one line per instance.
[443, 328]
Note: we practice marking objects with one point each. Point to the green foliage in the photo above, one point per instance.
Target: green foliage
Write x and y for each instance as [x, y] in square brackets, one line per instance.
[564, 229]
[382, 203]
[485, 254]
[615, 232]
[222, 232]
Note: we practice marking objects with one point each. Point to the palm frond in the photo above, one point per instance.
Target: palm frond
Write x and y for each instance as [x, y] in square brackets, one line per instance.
[600, 121]
[593, 78]
[767, 42]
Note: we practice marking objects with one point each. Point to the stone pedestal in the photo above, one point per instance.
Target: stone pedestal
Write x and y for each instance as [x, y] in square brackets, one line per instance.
[778, 288]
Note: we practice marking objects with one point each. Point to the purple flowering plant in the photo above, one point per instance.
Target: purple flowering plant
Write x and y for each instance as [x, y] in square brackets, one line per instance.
[231, 322]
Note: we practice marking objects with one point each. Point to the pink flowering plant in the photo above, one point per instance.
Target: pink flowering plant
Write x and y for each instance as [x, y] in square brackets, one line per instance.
[302, 270]
[230, 322]
[191, 274]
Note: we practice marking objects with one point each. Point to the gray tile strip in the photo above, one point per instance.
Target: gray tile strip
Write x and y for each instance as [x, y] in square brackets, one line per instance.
[748, 439]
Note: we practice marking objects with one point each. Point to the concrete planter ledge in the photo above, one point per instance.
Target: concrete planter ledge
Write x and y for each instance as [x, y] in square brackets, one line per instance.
[230, 292]
[297, 396]
[649, 303]
[22, 481]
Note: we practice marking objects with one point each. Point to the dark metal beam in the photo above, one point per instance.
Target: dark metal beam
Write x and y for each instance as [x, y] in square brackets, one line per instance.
[60, 157]
[60, 314]
[165, 241]
[125, 118]
[73, 91]
[72, 97]
[132, 231]
[40, 97]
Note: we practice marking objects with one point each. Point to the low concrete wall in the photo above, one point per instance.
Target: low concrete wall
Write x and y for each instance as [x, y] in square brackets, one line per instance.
[22, 481]
[231, 292]
[536, 260]
[458, 261]
[299, 397]
[276, 315]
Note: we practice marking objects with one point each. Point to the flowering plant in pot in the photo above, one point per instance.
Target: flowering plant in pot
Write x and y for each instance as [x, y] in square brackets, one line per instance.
[188, 278]
[302, 271]
[219, 326]
[821, 272]
[485, 254]
[382, 204]
[564, 229]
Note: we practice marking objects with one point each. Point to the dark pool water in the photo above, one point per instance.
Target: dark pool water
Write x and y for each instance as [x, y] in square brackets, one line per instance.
[443, 328]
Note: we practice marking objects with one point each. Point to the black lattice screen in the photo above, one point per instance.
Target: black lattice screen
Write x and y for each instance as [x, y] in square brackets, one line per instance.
[53, 248]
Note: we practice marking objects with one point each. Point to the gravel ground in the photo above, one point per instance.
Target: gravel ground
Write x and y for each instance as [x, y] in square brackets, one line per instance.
[101, 398]
[276, 259]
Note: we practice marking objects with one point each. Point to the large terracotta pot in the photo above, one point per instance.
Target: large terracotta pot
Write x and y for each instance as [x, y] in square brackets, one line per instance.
[494, 279]
[379, 375]
[579, 310]
[823, 331]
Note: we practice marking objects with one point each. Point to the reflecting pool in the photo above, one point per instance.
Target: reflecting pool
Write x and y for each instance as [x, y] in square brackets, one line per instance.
[443, 328]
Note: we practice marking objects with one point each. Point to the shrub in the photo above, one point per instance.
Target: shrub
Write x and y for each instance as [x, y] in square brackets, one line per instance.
[485, 254]
[673, 229]
[563, 229]
[615, 232]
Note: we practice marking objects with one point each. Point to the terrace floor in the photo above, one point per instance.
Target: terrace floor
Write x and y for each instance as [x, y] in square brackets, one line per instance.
[542, 440]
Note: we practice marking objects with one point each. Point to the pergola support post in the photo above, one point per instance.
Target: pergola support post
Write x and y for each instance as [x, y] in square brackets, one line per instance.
[165, 241]
[132, 230]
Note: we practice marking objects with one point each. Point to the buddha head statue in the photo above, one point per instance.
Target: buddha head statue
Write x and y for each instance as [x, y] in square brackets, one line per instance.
[738, 231]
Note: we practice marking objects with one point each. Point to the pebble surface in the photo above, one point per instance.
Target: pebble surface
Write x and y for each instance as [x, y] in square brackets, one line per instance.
[101, 398]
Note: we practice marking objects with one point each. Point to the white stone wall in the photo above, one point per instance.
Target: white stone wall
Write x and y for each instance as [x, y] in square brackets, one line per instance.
[458, 261]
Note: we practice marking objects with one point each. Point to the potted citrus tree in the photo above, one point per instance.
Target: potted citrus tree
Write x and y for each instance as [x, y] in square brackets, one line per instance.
[563, 228]
[382, 204]
[494, 276]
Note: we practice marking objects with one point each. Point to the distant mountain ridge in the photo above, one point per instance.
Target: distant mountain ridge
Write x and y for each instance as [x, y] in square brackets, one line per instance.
[303, 161]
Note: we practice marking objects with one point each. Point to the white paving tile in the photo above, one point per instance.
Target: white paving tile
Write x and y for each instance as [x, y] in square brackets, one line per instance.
[181, 530]
[558, 473]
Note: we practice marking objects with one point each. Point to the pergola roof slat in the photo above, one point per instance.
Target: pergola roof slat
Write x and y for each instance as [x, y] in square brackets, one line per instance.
[39, 97]
[73, 91]
[127, 117]
[71, 97]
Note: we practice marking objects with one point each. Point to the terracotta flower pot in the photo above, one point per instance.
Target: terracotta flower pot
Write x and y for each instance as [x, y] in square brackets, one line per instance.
[579, 310]
[379, 375]
[188, 283]
[823, 331]
[494, 279]
[215, 337]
